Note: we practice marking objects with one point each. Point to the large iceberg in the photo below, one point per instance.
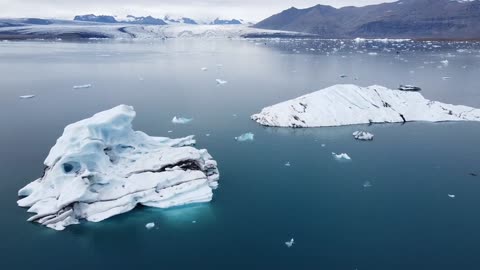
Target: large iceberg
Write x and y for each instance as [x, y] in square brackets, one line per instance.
[101, 167]
[340, 105]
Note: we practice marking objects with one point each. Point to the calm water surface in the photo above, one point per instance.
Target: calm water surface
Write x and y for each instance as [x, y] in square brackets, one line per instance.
[405, 220]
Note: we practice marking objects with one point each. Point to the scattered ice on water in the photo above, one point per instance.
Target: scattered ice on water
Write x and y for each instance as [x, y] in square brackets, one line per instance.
[150, 225]
[220, 81]
[82, 86]
[288, 164]
[245, 137]
[341, 156]
[451, 196]
[363, 136]
[204, 68]
[367, 184]
[27, 97]
[181, 120]
[444, 62]
[290, 243]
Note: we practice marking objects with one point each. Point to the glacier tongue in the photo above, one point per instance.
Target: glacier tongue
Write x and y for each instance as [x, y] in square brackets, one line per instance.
[101, 167]
[341, 105]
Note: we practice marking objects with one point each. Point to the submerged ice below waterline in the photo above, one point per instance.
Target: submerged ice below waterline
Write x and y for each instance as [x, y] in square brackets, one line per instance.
[101, 167]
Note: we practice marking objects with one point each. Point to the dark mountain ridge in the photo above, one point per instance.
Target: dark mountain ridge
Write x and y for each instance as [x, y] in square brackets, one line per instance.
[401, 19]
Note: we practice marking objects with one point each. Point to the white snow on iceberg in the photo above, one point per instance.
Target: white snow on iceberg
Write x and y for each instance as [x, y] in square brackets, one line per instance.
[341, 105]
[101, 167]
[84, 86]
[181, 120]
[245, 137]
[342, 156]
[363, 136]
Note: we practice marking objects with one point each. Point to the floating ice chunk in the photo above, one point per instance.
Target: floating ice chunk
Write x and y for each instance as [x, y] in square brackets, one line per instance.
[288, 164]
[444, 62]
[341, 105]
[100, 167]
[372, 53]
[194, 221]
[204, 68]
[27, 97]
[150, 225]
[363, 135]
[82, 86]
[245, 137]
[323, 145]
[181, 120]
[290, 243]
[451, 196]
[446, 78]
[367, 184]
[220, 81]
[341, 156]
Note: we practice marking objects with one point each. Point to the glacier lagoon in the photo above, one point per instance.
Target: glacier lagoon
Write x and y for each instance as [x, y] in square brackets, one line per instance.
[403, 218]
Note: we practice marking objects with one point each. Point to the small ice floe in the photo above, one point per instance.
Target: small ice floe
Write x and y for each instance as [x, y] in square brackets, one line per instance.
[288, 164]
[342, 156]
[181, 120]
[446, 78]
[451, 196]
[323, 145]
[194, 221]
[372, 53]
[204, 68]
[245, 137]
[150, 225]
[220, 81]
[82, 86]
[170, 131]
[290, 243]
[363, 136]
[27, 97]
[367, 184]
[444, 62]
[208, 134]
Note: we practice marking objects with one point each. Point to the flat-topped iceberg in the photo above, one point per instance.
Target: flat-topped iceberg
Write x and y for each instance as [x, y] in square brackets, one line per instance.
[101, 167]
[340, 105]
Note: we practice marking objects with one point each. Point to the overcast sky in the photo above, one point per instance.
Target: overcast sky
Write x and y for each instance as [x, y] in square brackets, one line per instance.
[253, 10]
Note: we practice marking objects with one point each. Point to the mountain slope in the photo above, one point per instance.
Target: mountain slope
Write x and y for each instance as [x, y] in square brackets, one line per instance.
[401, 19]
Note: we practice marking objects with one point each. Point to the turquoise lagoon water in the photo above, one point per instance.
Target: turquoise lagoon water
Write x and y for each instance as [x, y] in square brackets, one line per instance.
[404, 220]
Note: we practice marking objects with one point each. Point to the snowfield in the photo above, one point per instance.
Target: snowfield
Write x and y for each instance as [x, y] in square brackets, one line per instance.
[139, 32]
[341, 105]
